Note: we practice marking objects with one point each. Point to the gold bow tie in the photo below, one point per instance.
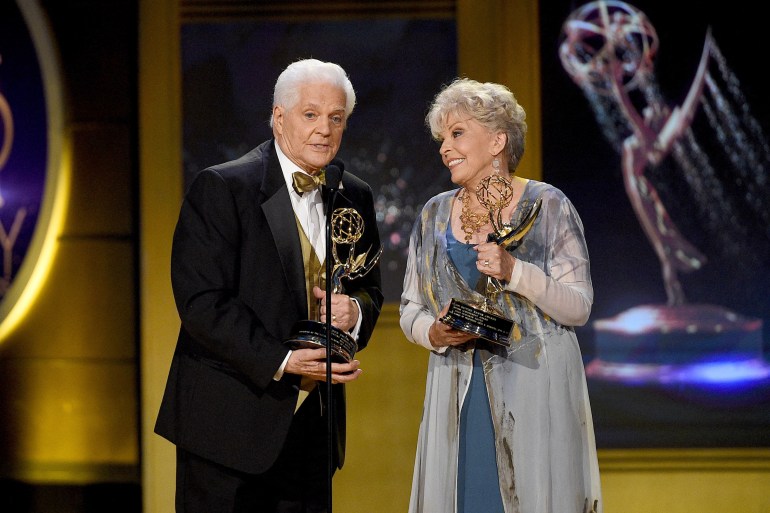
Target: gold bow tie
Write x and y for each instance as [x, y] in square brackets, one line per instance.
[304, 182]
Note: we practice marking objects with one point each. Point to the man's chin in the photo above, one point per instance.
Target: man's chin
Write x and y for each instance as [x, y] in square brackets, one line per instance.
[319, 163]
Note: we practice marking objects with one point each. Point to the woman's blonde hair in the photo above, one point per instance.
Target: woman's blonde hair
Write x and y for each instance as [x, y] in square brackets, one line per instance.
[492, 105]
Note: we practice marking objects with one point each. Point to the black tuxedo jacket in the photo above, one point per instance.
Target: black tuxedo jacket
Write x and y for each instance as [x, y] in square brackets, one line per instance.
[238, 280]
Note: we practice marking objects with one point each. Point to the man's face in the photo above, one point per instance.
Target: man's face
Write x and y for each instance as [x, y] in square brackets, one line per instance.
[310, 132]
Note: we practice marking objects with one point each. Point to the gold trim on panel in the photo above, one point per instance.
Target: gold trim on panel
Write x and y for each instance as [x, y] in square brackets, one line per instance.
[498, 41]
[160, 193]
[66, 418]
[223, 10]
[691, 460]
[74, 473]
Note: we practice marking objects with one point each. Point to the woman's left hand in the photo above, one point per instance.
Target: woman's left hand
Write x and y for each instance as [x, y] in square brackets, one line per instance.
[493, 260]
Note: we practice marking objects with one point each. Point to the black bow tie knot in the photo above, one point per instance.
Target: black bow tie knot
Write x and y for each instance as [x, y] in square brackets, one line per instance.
[304, 182]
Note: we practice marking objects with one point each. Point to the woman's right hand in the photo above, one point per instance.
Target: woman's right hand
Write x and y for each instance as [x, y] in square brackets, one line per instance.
[441, 335]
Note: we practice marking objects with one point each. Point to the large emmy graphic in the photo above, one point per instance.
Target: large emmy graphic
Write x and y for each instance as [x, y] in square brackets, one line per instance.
[347, 227]
[608, 50]
[483, 317]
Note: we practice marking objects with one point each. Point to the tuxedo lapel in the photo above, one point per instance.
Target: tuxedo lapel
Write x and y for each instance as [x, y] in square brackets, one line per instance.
[283, 226]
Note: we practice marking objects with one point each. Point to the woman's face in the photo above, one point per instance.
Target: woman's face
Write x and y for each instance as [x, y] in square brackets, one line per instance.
[467, 149]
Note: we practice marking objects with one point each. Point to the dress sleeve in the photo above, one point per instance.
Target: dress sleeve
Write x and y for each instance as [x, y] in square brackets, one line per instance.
[415, 322]
[415, 317]
[563, 289]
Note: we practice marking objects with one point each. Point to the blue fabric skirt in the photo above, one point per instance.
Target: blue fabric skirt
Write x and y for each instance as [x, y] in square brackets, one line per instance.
[478, 487]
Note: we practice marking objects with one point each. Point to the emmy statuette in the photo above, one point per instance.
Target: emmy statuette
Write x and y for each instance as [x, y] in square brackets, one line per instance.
[347, 227]
[483, 317]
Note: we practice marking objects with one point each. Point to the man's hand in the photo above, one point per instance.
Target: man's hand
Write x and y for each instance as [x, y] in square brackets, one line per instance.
[312, 363]
[344, 309]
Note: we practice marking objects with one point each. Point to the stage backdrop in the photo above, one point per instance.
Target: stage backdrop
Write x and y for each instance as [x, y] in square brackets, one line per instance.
[692, 374]
[687, 372]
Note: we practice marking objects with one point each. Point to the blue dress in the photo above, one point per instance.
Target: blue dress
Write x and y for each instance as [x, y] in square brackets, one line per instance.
[535, 389]
[478, 487]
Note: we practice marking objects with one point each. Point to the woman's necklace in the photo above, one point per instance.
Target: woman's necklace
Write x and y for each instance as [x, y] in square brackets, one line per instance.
[471, 221]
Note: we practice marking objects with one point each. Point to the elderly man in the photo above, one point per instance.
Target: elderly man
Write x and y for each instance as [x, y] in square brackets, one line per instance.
[245, 411]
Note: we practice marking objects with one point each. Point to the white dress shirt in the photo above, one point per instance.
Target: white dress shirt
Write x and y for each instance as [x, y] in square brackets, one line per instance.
[309, 209]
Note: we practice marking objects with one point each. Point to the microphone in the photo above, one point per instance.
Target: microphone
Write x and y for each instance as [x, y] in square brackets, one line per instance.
[333, 178]
[334, 174]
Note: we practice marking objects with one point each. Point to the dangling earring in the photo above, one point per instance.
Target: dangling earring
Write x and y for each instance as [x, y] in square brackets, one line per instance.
[496, 165]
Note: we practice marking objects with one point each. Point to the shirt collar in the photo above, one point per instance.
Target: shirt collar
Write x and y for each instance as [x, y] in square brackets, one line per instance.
[288, 167]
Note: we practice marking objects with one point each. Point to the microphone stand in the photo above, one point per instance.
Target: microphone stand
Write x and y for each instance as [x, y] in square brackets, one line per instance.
[329, 395]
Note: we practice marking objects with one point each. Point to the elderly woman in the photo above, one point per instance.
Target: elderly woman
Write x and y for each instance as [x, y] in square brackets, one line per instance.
[504, 428]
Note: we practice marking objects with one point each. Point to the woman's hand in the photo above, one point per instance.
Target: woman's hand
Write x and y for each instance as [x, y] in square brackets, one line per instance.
[441, 335]
[493, 260]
